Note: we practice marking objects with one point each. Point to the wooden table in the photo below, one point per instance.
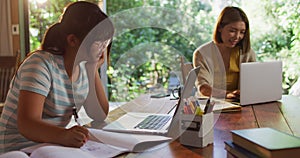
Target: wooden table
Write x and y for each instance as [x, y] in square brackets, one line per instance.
[283, 115]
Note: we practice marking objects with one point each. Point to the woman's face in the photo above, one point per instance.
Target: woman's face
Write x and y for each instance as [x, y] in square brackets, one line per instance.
[233, 33]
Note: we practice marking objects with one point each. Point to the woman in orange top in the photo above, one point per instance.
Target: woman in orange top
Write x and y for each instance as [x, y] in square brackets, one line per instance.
[220, 59]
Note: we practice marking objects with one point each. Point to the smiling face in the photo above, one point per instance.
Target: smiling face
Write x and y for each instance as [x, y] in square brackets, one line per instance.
[232, 29]
[232, 33]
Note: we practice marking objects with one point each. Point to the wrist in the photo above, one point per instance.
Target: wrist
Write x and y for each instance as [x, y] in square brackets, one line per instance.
[61, 137]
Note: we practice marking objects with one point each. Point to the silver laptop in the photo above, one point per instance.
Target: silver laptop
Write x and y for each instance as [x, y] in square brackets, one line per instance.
[133, 122]
[260, 82]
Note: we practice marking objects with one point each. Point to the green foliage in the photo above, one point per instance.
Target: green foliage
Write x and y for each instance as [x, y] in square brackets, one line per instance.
[282, 41]
[42, 16]
[151, 35]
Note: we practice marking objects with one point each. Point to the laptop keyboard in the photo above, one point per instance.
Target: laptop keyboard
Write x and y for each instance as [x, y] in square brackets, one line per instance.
[153, 122]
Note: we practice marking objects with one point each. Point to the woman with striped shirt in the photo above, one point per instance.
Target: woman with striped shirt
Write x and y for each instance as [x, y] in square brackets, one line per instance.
[60, 77]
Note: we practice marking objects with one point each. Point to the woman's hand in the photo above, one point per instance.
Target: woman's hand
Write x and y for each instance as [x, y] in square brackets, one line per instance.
[205, 90]
[76, 136]
[101, 60]
[98, 52]
[34, 128]
[233, 95]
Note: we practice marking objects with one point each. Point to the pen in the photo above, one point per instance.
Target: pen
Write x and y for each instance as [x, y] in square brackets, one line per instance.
[75, 114]
[198, 109]
[207, 106]
[187, 108]
[197, 103]
[192, 106]
[211, 107]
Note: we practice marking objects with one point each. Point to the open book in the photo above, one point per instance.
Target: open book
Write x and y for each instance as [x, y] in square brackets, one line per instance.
[101, 144]
[221, 105]
[131, 142]
[225, 106]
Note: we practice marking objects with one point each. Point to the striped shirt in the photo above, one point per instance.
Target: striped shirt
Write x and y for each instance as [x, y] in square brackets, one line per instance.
[45, 74]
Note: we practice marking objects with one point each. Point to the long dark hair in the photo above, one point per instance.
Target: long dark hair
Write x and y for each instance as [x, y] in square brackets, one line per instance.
[229, 15]
[52, 40]
[79, 18]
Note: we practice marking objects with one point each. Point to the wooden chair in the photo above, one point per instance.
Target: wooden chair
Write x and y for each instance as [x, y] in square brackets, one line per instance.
[8, 66]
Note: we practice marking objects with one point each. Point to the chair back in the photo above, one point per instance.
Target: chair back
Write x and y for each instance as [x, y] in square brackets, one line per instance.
[8, 66]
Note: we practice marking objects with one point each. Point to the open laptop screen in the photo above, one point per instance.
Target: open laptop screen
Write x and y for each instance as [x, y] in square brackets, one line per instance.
[260, 82]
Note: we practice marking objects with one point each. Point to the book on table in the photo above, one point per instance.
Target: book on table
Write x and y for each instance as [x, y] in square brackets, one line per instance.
[101, 144]
[267, 142]
[237, 151]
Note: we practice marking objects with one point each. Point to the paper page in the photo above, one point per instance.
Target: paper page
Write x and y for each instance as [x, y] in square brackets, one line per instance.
[224, 106]
[105, 150]
[221, 105]
[14, 154]
[59, 152]
[91, 149]
[30, 149]
[127, 140]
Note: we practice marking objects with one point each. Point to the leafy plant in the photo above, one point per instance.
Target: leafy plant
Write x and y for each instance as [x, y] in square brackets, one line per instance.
[152, 35]
[282, 41]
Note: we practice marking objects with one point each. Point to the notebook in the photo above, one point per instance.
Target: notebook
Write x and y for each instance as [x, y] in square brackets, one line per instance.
[130, 122]
[260, 82]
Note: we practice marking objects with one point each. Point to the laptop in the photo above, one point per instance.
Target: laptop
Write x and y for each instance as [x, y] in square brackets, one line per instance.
[260, 82]
[185, 67]
[131, 121]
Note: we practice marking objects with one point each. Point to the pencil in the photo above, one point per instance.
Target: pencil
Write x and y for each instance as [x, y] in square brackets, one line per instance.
[207, 106]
